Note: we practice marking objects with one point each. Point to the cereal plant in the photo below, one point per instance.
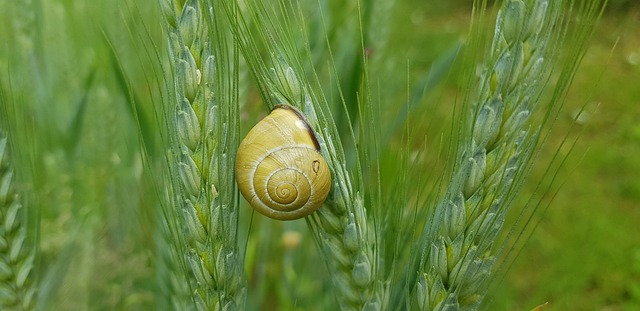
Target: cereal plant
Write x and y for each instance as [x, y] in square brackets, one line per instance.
[127, 118]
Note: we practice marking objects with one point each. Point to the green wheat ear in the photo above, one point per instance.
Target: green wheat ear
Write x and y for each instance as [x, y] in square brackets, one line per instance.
[498, 144]
[203, 215]
[341, 227]
[494, 153]
[16, 256]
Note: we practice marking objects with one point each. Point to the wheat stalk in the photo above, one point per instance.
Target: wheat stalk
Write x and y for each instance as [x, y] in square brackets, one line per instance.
[16, 256]
[492, 159]
[205, 128]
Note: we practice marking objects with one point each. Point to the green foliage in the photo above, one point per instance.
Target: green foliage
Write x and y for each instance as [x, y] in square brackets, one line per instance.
[93, 99]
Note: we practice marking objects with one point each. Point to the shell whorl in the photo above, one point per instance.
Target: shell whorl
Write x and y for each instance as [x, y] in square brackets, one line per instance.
[279, 168]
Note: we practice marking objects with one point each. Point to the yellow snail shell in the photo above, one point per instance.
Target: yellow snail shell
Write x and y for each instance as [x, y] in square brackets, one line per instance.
[279, 168]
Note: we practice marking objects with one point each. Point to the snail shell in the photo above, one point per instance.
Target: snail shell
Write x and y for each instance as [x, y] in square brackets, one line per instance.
[279, 168]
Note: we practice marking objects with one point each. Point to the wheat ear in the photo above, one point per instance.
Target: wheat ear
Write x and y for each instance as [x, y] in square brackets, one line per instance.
[205, 128]
[492, 158]
[16, 257]
[340, 227]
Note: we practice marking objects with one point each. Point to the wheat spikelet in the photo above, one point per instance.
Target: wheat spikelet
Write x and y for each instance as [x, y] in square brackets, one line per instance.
[497, 149]
[206, 195]
[16, 257]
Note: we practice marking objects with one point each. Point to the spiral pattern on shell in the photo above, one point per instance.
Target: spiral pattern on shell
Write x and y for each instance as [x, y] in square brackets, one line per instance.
[279, 168]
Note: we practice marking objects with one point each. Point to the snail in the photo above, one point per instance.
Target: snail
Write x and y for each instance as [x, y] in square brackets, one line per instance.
[279, 168]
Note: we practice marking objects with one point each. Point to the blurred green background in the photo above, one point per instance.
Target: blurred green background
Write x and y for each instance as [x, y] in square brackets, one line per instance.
[583, 255]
